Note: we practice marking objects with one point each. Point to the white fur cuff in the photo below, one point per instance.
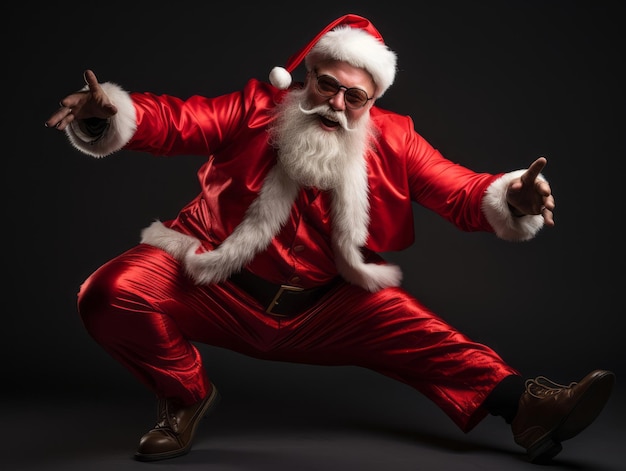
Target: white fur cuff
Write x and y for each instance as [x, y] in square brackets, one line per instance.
[122, 126]
[496, 209]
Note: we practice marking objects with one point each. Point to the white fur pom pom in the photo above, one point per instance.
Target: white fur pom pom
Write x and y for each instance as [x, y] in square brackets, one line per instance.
[280, 78]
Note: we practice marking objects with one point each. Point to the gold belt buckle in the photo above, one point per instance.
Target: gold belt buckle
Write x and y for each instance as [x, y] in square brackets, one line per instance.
[276, 298]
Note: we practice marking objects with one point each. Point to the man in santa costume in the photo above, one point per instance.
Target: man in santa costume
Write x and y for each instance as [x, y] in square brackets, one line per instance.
[278, 255]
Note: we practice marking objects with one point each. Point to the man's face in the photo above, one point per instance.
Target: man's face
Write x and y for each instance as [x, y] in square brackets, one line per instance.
[347, 77]
[317, 135]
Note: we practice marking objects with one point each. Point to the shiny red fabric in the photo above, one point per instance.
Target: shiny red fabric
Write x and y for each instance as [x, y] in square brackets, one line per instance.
[231, 131]
[147, 314]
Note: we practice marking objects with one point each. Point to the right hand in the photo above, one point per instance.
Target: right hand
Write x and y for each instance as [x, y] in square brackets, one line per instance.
[89, 103]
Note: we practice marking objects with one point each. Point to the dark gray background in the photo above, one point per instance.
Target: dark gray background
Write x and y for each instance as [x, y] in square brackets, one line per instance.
[492, 84]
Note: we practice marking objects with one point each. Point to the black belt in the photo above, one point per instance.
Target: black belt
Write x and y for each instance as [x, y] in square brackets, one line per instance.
[280, 300]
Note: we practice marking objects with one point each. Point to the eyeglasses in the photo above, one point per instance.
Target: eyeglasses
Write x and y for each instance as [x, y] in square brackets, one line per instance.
[354, 98]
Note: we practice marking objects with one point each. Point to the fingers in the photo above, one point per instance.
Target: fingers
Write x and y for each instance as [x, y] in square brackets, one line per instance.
[69, 108]
[91, 80]
[71, 105]
[543, 188]
[539, 164]
[547, 210]
[534, 170]
[548, 217]
[61, 118]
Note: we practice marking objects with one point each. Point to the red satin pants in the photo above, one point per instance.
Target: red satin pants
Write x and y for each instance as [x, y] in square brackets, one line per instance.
[145, 312]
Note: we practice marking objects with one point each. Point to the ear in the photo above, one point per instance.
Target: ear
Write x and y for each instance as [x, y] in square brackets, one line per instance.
[310, 75]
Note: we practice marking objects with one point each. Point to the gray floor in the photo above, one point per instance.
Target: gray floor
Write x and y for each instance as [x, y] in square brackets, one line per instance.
[336, 419]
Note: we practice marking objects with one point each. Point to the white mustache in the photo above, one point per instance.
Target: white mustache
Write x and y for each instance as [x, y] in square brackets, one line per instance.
[328, 113]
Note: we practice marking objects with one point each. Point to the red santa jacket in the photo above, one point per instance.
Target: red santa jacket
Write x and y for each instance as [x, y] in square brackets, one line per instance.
[231, 131]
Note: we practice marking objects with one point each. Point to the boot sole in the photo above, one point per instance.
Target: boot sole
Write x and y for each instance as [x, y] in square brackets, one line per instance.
[580, 417]
[210, 404]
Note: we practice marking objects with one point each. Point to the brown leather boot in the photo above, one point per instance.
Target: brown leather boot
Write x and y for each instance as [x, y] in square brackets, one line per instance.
[174, 431]
[550, 413]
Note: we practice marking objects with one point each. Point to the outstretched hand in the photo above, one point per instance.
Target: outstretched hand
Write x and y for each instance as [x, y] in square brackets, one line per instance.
[89, 103]
[531, 195]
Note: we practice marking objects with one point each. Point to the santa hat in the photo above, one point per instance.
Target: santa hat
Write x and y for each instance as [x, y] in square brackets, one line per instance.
[352, 39]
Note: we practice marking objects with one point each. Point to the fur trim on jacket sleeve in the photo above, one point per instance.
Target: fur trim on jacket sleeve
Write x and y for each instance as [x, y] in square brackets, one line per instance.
[120, 129]
[496, 209]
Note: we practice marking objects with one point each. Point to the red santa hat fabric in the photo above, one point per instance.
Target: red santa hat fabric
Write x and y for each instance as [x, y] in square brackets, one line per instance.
[350, 38]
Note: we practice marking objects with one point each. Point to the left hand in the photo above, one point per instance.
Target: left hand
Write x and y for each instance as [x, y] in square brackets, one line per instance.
[531, 195]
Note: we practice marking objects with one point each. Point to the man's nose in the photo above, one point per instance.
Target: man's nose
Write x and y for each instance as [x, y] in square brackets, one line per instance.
[338, 101]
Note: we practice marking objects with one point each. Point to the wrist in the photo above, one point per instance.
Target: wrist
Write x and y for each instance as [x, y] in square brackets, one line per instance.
[90, 130]
[515, 212]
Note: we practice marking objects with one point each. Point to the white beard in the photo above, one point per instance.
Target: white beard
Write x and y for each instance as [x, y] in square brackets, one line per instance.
[310, 155]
